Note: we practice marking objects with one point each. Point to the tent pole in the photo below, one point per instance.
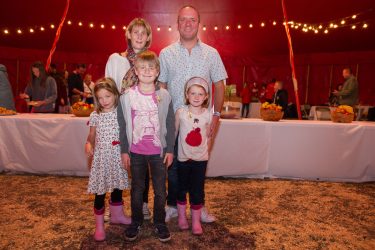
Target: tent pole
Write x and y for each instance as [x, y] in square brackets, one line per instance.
[330, 80]
[307, 83]
[17, 76]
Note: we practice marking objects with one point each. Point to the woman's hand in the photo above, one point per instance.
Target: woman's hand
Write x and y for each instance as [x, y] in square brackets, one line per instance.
[168, 159]
[39, 103]
[126, 161]
[89, 150]
[24, 96]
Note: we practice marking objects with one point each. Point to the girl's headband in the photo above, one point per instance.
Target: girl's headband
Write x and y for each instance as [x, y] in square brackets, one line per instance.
[197, 81]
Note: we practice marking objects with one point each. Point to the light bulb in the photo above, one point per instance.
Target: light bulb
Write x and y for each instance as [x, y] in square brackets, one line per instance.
[343, 22]
[227, 27]
[354, 16]
[19, 31]
[31, 30]
[274, 23]
[41, 28]
[170, 28]
[69, 22]
[91, 25]
[239, 26]
[102, 26]
[158, 29]
[80, 23]
[262, 24]
[6, 31]
[365, 25]
[113, 27]
[52, 26]
[215, 28]
[354, 27]
[326, 31]
[204, 28]
[250, 25]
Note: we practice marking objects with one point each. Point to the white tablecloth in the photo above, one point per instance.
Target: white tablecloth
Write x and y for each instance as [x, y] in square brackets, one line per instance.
[43, 143]
[54, 144]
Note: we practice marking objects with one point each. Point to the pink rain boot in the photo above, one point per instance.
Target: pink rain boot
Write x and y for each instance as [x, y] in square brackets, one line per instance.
[196, 221]
[117, 214]
[182, 220]
[99, 234]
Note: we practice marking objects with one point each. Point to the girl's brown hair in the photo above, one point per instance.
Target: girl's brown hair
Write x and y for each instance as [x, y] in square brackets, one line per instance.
[108, 84]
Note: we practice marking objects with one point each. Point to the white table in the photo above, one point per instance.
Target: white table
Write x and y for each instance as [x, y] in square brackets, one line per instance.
[294, 149]
[54, 144]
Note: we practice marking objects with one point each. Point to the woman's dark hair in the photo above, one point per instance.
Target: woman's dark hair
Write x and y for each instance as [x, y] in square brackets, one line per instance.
[42, 74]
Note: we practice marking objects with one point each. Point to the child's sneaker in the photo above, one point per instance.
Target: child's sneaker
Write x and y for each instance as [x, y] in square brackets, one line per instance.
[146, 212]
[162, 232]
[131, 233]
[170, 212]
[206, 217]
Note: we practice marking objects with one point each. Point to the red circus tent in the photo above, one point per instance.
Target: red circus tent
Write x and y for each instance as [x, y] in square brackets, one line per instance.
[234, 28]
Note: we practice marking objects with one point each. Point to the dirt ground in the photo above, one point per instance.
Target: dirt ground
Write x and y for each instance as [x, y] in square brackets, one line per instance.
[51, 212]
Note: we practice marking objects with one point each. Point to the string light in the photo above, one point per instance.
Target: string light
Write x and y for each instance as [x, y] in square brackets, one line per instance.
[352, 22]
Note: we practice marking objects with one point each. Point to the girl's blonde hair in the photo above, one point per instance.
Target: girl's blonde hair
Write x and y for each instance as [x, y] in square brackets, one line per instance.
[199, 82]
[108, 84]
[139, 22]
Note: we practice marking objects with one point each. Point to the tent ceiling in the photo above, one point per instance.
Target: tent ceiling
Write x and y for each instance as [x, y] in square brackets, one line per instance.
[233, 42]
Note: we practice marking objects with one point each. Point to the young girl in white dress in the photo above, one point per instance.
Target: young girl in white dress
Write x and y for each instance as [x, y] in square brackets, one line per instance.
[107, 173]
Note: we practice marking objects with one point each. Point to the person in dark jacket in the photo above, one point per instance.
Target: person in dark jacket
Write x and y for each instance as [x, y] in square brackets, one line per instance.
[41, 90]
[281, 96]
[6, 94]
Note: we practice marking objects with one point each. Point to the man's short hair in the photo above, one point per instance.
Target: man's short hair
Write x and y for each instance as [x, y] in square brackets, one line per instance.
[80, 65]
[349, 69]
[190, 6]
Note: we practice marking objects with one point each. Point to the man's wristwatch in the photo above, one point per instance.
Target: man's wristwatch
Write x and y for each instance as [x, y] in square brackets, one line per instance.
[216, 113]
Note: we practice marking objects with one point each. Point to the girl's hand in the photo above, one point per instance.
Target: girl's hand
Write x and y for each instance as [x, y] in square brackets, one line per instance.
[126, 161]
[89, 150]
[168, 159]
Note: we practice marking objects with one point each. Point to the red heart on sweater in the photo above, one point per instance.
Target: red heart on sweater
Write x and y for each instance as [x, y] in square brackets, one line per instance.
[194, 137]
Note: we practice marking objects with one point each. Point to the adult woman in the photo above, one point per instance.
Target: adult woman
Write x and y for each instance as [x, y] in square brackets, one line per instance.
[41, 90]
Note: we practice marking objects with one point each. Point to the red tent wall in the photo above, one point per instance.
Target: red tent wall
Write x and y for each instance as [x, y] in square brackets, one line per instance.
[317, 66]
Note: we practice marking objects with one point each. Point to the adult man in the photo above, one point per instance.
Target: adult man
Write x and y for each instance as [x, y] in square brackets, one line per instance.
[281, 96]
[75, 84]
[180, 61]
[348, 95]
